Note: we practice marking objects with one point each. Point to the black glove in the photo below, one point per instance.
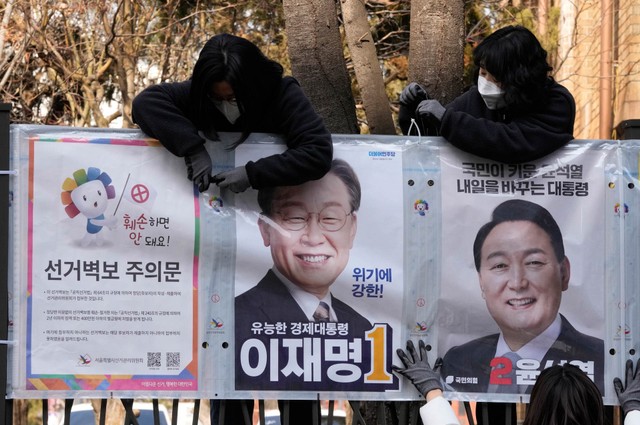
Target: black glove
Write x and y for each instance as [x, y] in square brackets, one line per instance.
[417, 368]
[410, 98]
[236, 180]
[629, 395]
[199, 168]
[430, 108]
[412, 95]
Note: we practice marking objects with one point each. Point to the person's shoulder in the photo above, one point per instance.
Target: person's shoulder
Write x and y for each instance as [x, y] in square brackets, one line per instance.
[248, 297]
[341, 305]
[468, 100]
[484, 343]
[165, 91]
[348, 314]
[181, 86]
[572, 335]
[265, 285]
[556, 89]
[290, 88]
[289, 94]
[290, 80]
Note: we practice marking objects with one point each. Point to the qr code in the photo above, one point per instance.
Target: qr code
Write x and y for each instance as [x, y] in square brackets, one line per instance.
[173, 359]
[154, 360]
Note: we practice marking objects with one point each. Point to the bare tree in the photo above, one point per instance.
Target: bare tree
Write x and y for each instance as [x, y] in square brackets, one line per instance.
[436, 47]
[317, 60]
[80, 63]
[367, 67]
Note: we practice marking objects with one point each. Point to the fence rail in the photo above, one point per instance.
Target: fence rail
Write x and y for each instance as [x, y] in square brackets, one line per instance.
[401, 413]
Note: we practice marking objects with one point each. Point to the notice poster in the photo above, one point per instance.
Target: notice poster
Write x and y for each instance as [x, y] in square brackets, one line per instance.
[319, 277]
[112, 267]
[523, 283]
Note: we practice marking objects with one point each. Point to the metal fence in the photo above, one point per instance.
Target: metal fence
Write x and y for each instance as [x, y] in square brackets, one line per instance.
[396, 413]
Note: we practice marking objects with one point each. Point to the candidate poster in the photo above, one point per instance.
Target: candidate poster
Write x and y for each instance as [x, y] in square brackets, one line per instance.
[111, 296]
[337, 240]
[523, 271]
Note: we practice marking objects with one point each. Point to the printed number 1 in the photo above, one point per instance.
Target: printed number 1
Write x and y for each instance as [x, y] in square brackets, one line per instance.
[378, 338]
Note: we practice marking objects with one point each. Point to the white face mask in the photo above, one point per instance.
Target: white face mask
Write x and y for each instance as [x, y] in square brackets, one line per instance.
[492, 95]
[229, 109]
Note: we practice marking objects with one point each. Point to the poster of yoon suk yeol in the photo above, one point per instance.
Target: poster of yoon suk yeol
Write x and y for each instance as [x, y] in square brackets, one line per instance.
[319, 277]
[523, 271]
[111, 265]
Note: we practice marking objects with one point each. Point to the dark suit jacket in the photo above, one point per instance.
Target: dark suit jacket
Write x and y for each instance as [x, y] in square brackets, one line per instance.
[472, 360]
[270, 302]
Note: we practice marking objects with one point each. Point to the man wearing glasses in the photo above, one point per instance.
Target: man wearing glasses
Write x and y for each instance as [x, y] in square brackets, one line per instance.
[310, 230]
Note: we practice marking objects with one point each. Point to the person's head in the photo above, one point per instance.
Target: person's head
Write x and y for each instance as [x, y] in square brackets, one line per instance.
[233, 68]
[522, 269]
[514, 59]
[310, 228]
[564, 395]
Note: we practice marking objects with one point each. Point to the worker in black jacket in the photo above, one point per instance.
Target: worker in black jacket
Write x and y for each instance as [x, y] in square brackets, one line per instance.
[516, 112]
[235, 88]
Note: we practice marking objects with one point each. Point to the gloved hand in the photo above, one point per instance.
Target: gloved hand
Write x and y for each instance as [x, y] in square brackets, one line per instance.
[629, 395]
[430, 108]
[236, 180]
[412, 95]
[417, 368]
[199, 168]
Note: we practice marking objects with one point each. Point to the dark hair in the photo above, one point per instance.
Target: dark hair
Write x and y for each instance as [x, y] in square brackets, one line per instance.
[340, 168]
[253, 77]
[514, 56]
[520, 210]
[564, 395]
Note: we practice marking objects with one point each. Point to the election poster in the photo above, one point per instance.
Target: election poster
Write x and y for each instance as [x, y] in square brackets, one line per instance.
[112, 260]
[129, 282]
[319, 277]
[523, 281]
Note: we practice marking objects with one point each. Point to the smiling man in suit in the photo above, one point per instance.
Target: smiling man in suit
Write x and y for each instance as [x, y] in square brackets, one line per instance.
[523, 271]
[310, 230]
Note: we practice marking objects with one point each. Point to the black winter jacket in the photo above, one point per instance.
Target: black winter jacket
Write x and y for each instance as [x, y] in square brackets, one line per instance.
[163, 112]
[506, 135]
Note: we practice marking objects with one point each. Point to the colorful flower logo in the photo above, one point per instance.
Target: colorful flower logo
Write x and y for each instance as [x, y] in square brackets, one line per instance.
[421, 207]
[84, 360]
[216, 324]
[421, 327]
[215, 203]
[616, 208]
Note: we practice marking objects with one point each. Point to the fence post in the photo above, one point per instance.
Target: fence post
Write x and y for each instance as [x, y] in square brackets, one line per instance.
[5, 109]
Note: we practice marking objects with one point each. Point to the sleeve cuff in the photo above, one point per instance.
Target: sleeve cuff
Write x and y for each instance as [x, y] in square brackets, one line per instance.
[438, 412]
[632, 418]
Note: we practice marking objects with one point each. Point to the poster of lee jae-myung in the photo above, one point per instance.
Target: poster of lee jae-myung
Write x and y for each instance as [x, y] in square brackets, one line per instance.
[319, 277]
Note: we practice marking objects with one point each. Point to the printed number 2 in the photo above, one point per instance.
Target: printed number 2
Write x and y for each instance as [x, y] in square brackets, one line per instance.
[500, 375]
[378, 338]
